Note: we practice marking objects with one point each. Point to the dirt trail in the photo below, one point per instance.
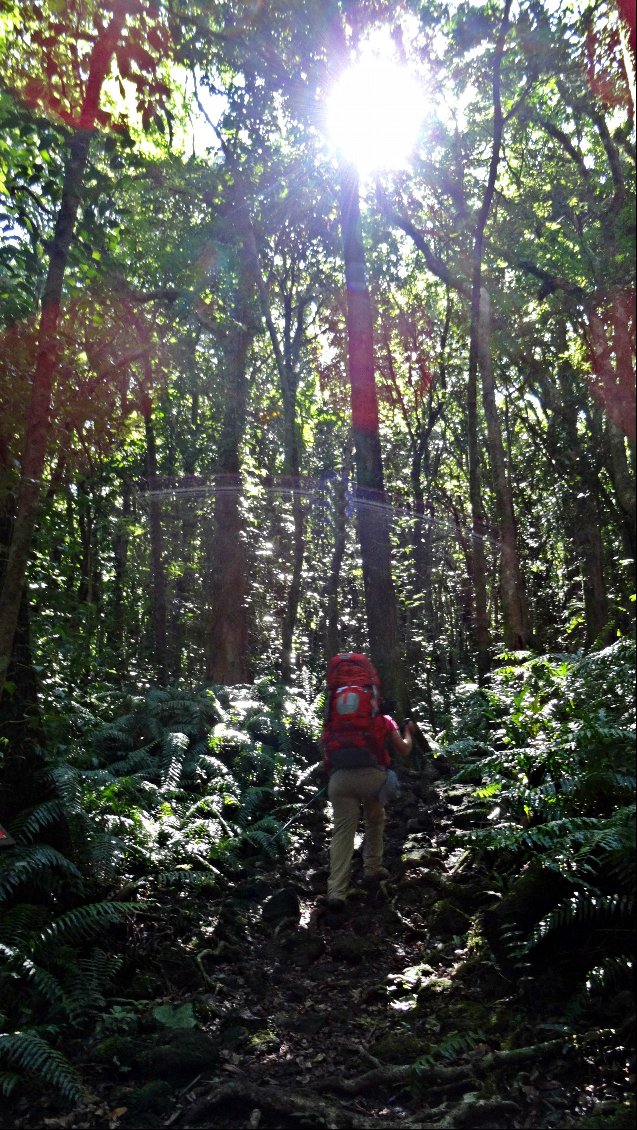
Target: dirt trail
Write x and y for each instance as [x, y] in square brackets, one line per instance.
[273, 1013]
[320, 1018]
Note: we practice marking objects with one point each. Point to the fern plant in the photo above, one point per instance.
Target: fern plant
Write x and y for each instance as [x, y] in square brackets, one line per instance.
[559, 738]
[47, 981]
[177, 786]
[34, 1056]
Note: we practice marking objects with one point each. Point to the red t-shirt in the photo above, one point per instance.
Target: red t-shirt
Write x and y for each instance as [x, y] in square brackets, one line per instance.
[382, 727]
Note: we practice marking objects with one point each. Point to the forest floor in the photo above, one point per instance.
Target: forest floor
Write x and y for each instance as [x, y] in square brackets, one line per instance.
[258, 1008]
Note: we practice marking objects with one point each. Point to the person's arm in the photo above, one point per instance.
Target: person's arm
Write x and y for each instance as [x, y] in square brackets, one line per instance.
[402, 745]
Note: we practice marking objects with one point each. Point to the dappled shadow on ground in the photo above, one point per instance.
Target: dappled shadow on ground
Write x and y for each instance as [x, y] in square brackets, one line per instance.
[255, 1007]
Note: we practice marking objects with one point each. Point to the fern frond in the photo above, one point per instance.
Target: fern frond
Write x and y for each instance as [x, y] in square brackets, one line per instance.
[261, 840]
[36, 1056]
[141, 760]
[85, 994]
[20, 922]
[252, 800]
[9, 1081]
[45, 984]
[66, 782]
[34, 864]
[28, 824]
[174, 748]
[115, 734]
[85, 920]
[583, 907]
[198, 748]
[266, 835]
[450, 1046]
[214, 766]
[105, 853]
[205, 806]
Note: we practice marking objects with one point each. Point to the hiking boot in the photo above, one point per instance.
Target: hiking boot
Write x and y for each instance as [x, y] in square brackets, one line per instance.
[376, 876]
[337, 906]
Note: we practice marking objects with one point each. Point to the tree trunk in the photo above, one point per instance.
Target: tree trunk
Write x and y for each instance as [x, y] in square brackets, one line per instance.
[330, 592]
[478, 560]
[514, 608]
[288, 375]
[24, 782]
[294, 591]
[39, 423]
[227, 653]
[286, 348]
[612, 355]
[159, 614]
[478, 359]
[623, 484]
[372, 512]
[584, 519]
[86, 617]
[120, 559]
[587, 538]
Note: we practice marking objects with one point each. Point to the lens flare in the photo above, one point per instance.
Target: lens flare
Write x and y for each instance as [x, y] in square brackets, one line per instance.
[374, 112]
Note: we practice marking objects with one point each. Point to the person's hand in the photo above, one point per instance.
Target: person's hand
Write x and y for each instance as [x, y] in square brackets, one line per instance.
[408, 728]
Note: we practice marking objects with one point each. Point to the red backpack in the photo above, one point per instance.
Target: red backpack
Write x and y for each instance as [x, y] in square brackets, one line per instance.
[353, 692]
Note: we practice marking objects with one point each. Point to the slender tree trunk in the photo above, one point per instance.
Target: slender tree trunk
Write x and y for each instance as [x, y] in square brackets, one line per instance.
[623, 484]
[422, 577]
[24, 781]
[227, 640]
[185, 581]
[330, 593]
[291, 473]
[227, 650]
[286, 348]
[294, 591]
[85, 527]
[39, 422]
[480, 358]
[88, 588]
[159, 597]
[514, 606]
[478, 560]
[588, 541]
[372, 511]
[120, 558]
[584, 508]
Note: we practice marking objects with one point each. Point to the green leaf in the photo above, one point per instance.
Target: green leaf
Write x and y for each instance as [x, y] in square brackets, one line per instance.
[175, 1016]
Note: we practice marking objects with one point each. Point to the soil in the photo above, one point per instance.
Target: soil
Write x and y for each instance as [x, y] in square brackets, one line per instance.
[255, 1006]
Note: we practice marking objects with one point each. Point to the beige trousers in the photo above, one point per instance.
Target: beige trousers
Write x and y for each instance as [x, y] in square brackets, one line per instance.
[348, 789]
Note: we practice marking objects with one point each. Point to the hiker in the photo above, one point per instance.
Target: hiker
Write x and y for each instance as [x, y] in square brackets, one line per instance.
[357, 741]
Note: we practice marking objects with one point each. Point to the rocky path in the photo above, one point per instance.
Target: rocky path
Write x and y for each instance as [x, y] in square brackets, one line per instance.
[257, 1008]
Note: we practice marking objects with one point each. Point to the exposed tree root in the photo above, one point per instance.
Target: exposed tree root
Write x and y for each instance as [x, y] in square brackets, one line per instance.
[272, 1100]
[394, 1074]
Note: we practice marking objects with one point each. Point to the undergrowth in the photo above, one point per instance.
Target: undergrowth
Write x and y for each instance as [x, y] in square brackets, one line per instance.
[550, 745]
[176, 787]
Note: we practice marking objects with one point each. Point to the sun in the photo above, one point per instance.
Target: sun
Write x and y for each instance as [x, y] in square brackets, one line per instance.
[375, 109]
